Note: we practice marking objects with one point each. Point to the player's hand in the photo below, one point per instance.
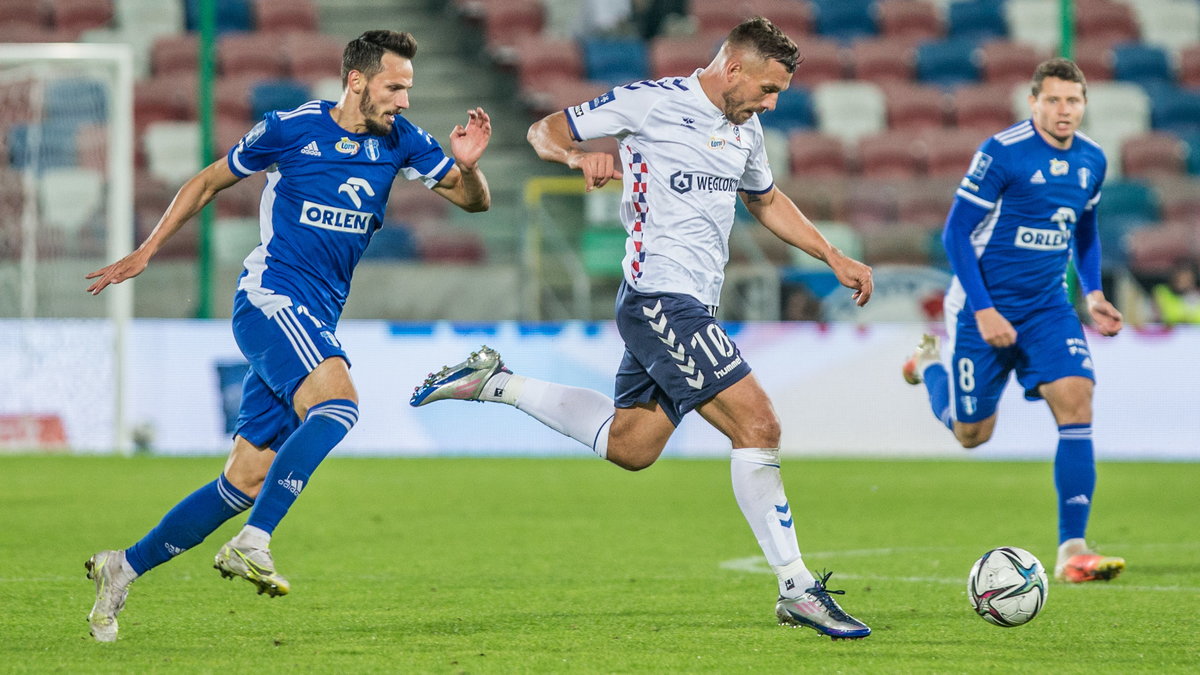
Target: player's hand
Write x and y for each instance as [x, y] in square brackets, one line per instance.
[853, 274]
[598, 168]
[994, 328]
[1107, 318]
[468, 143]
[126, 268]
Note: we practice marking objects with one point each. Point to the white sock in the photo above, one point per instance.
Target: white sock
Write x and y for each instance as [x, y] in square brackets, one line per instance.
[252, 537]
[582, 414]
[758, 488]
[124, 574]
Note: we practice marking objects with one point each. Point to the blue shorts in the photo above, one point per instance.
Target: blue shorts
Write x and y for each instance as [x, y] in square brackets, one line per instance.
[283, 343]
[675, 353]
[1050, 346]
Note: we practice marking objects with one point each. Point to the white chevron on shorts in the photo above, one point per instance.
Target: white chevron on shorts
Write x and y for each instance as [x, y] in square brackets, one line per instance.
[686, 363]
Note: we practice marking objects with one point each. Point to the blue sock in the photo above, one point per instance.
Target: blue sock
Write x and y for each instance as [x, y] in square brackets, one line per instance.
[324, 427]
[1075, 478]
[938, 385]
[186, 525]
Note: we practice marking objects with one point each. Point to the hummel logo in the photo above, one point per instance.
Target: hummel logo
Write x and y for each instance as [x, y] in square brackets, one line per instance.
[292, 485]
[311, 149]
[1037, 177]
[498, 392]
[1081, 500]
[789, 584]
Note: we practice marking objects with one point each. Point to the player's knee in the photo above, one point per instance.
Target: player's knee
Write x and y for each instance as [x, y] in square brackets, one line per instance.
[248, 480]
[342, 411]
[762, 431]
[972, 438]
[633, 463]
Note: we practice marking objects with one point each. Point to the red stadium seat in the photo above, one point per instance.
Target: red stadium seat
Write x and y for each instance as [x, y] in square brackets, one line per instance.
[816, 154]
[309, 57]
[1095, 59]
[910, 19]
[1155, 250]
[820, 197]
[153, 102]
[232, 97]
[1153, 154]
[820, 61]
[175, 54]
[680, 56]
[793, 18]
[250, 54]
[718, 16]
[558, 95]
[80, 15]
[272, 16]
[924, 202]
[1009, 62]
[451, 246]
[914, 107]
[882, 60]
[1106, 22]
[507, 23]
[870, 203]
[1178, 197]
[1189, 66]
[23, 13]
[890, 155]
[948, 153]
[986, 106]
[542, 61]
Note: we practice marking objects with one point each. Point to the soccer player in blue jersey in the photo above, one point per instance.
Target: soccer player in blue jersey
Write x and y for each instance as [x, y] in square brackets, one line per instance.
[690, 146]
[329, 171]
[1025, 210]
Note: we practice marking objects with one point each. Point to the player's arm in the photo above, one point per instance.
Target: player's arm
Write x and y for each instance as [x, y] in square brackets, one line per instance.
[464, 184]
[198, 191]
[956, 238]
[1107, 318]
[779, 214]
[552, 140]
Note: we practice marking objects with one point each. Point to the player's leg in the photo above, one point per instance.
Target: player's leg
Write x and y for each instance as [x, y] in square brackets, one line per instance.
[744, 413]
[977, 375]
[183, 527]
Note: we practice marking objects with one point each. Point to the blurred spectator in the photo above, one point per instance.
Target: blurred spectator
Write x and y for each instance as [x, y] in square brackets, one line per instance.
[1178, 300]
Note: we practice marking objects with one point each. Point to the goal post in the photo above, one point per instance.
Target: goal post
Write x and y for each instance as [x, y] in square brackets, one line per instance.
[66, 207]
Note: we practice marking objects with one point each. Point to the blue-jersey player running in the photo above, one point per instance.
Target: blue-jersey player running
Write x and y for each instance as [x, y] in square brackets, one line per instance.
[1027, 202]
[329, 170]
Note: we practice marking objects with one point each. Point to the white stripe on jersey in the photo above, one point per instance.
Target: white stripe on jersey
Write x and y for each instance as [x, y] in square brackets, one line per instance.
[1010, 139]
[412, 174]
[310, 108]
[1091, 203]
[1016, 132]
[982, 233]
[237, 162]
[1080, 134]
[256, 262]
[974, 199]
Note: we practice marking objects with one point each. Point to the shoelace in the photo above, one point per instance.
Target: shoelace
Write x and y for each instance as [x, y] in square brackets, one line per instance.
[822, 594]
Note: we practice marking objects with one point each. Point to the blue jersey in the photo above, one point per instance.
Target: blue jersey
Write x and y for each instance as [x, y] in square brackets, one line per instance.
[325, 196]
[1035, 195]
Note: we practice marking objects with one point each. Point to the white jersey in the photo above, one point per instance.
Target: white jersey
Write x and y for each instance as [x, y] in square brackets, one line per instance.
[683, 164]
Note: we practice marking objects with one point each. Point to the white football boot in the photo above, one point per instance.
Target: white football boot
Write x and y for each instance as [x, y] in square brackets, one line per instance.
[112, 576]
[254, 565]
[928, 352]
[464, 381]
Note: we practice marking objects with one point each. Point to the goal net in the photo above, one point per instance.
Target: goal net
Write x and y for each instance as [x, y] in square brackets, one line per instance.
[66, 172]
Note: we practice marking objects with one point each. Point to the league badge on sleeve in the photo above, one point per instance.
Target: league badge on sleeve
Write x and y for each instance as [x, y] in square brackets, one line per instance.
[979, 165]
[254, 134]
[601, 100]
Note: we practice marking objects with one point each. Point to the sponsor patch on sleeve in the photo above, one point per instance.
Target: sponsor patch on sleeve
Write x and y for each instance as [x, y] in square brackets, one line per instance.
[979, 165]
[601, 100]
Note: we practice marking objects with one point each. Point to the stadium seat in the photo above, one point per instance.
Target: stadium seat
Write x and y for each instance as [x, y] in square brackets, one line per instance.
[615, 61]
[1034, 22]
[813, 153]
[509, 22]
[947, 63]
[979, 20]
[1008, 62]
[1192, 145]
[896, 244]
[231, 98]
[680, 56]
[914, 20]
[309, 57]
[775, 143]
[882, 60]
[272, 16]
[84, 208]
[1115, 111]
[1170, 24]
[1095, 59]
[1189, 66]
[985, 107]
[55, 143]
[1176, 110]
[1145, 64]
[1178, 197]
[841, 235]
[716, 17]
[451, 246]
[793, 110]
[91, 146]
[794, 18]
[23, 13]
[79, 99]
[849, 110]
[393, 242]
[1128, 201]
[1153, 154]
[870, 203]
[890, 156]
[820, 197]
[845, 20]
[234, 238]
[276, 95]
[250, 55]
[925, 202]
[80, 15]
[172, 150]
[563, 94]
[149, 18]
[1105, 21]
[914, 107]
[542, 61]
[232, 15]
[820, 61]
[1153, 251]
[175, 54]
[153, 101]
[948, 153]
[139, 43]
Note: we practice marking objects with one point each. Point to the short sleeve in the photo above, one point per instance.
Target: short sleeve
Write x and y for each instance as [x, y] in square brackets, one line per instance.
[757, 178]
[618, 112]
[259, 148]
[986, 177]
[425, 160]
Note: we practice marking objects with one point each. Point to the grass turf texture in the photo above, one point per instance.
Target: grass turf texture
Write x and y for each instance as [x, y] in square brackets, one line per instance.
[540, 565]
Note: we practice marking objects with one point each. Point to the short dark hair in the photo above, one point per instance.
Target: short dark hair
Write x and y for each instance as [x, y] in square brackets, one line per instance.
[765, 38]
[365, 52]
[1063, 69]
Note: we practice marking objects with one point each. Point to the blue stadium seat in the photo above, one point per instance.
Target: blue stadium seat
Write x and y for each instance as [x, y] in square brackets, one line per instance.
[393, 241]
[793, 111]
[78, 99]
[845, 20]
[57, 144]
[976, 20]
[276, 95]
[615, 61]
[1192, 145]
[1124, 207]
[1145, 64]
[1175, 110]
[231, 15]
[947, 63]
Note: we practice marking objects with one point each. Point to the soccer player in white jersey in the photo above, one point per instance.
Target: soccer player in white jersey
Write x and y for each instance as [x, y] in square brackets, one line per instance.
[329, 169]
[1028, 197]
[689, 147]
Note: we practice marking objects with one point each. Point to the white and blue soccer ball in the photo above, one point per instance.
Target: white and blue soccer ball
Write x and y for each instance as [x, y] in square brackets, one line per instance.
[1007, 586]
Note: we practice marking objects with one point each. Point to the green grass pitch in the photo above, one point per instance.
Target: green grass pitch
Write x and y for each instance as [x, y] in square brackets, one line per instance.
[572, 565]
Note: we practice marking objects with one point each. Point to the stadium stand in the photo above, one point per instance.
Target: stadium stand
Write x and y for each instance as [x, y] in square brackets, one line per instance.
[1150, 155]
[271, 16]
[615, 61]
[849, 109]
[947, 63]
[978, 20]
[914, 107]
[845, 20]
[814, 153]
[882, 60]
[891, 155]
[912, 20]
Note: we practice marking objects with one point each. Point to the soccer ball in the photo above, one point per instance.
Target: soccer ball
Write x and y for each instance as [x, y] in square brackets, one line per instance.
[1007, 586]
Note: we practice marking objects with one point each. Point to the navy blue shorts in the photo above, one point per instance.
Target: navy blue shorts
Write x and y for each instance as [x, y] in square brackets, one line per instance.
[1050, 346]
[283, 343]
[676, 353]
